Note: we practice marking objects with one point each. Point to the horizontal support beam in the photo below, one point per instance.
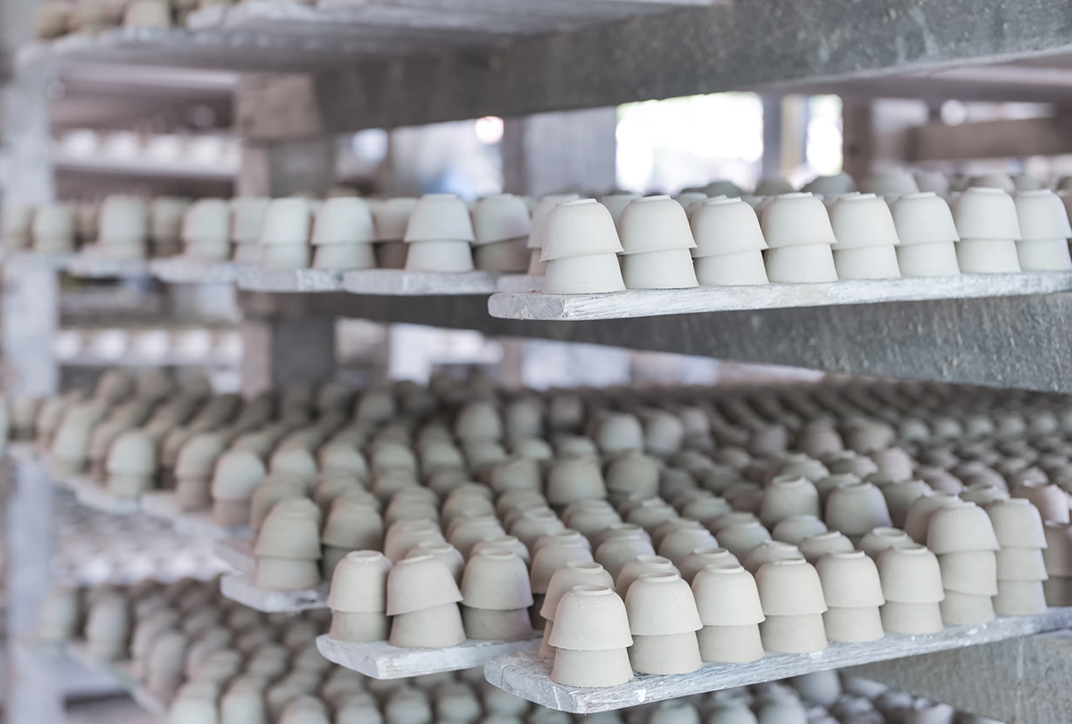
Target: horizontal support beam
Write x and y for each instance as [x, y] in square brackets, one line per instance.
[1017, 138]
[1021, 680]
[998, 342]
[748, 45]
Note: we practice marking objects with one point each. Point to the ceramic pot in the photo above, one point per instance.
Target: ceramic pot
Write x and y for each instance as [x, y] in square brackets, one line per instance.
[900, 496]
[915, 619]
[592, 668]
[808, 264]
[53, 229]
[986, 213]
[723, 227]
[1020, 564]
[873, 262]
[124, 221]
[291, 530]
[680, 543]
[483, 624]
[570, 479]
[285, 257]
[789, 588]
[987, 256]
[966, 608]
[853, 625]
[787, 495]
[464, 533]
[360, 583]
[533, 523]
[665, 654]
[344, 256]
[881, 539]
[741, 269]
[419, 583]
[1042, 216]
[496, 580]
[924, 218]
[352, 525]
[131, 464]
[973, 572]
[796, 219]
[639, 566]
[590, 618]
[1020, 598]
[890, 183]
[797, 634]
[439, 256]
[692, 564]
[730, 644]
[581, 227]
[510, 257]
[917, 522]
[740, 538]
[815, 547]
[359, 627]
[390, 217]
[615, 203]
[850, 580]
[654, 223]
[857, 509]
[958, 528]
[770, 551]
[937, 259]
[589, 274]
[910, 575]
[1051, 501]
[661, 604]
[614, 553]
[438, 217]
[1044, 255]
[506, 543]
[498, 218]
[285, 574]
[343, 220]
[669, 269]
[433, 627]
[795, 528]
[402, 536]
[862, 221]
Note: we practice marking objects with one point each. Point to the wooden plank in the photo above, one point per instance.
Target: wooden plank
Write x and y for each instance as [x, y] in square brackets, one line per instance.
[528, 674]
[660, 302]
[380, 660]
[1019, 138]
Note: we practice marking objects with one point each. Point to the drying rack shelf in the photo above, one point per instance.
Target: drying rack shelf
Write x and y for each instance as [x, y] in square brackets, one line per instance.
[399, 282]
[196, 524]
[121, 672]
[253, 279]
[181, 270]
[240, 588]
[381, 660]
[528, 674]
[697, 300]
[95, 266]
[236, 552]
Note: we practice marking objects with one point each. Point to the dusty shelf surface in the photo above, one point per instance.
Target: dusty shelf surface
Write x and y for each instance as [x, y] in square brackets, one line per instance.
[381, 660]
[182, 270]
[399, 282]
[519, 284]
[661, 302]
[94, 266]
[298, 280]
[240, 588]
[196, 524]
[528, 674]
[237, 552]
[120, 671]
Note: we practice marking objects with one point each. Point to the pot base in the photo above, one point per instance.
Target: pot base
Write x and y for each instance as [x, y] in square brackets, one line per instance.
[1020, 598]
[490, 625]
[591, 668]
[965, 608]
[358, 627]
[669, 654]
[285, 574]
[853, 625]
[730, 644]
[431, 628]
[911, 618]
[794, 634]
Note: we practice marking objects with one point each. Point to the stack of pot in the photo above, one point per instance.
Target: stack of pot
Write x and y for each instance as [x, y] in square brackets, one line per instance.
[963, 538]
[1021, 566]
